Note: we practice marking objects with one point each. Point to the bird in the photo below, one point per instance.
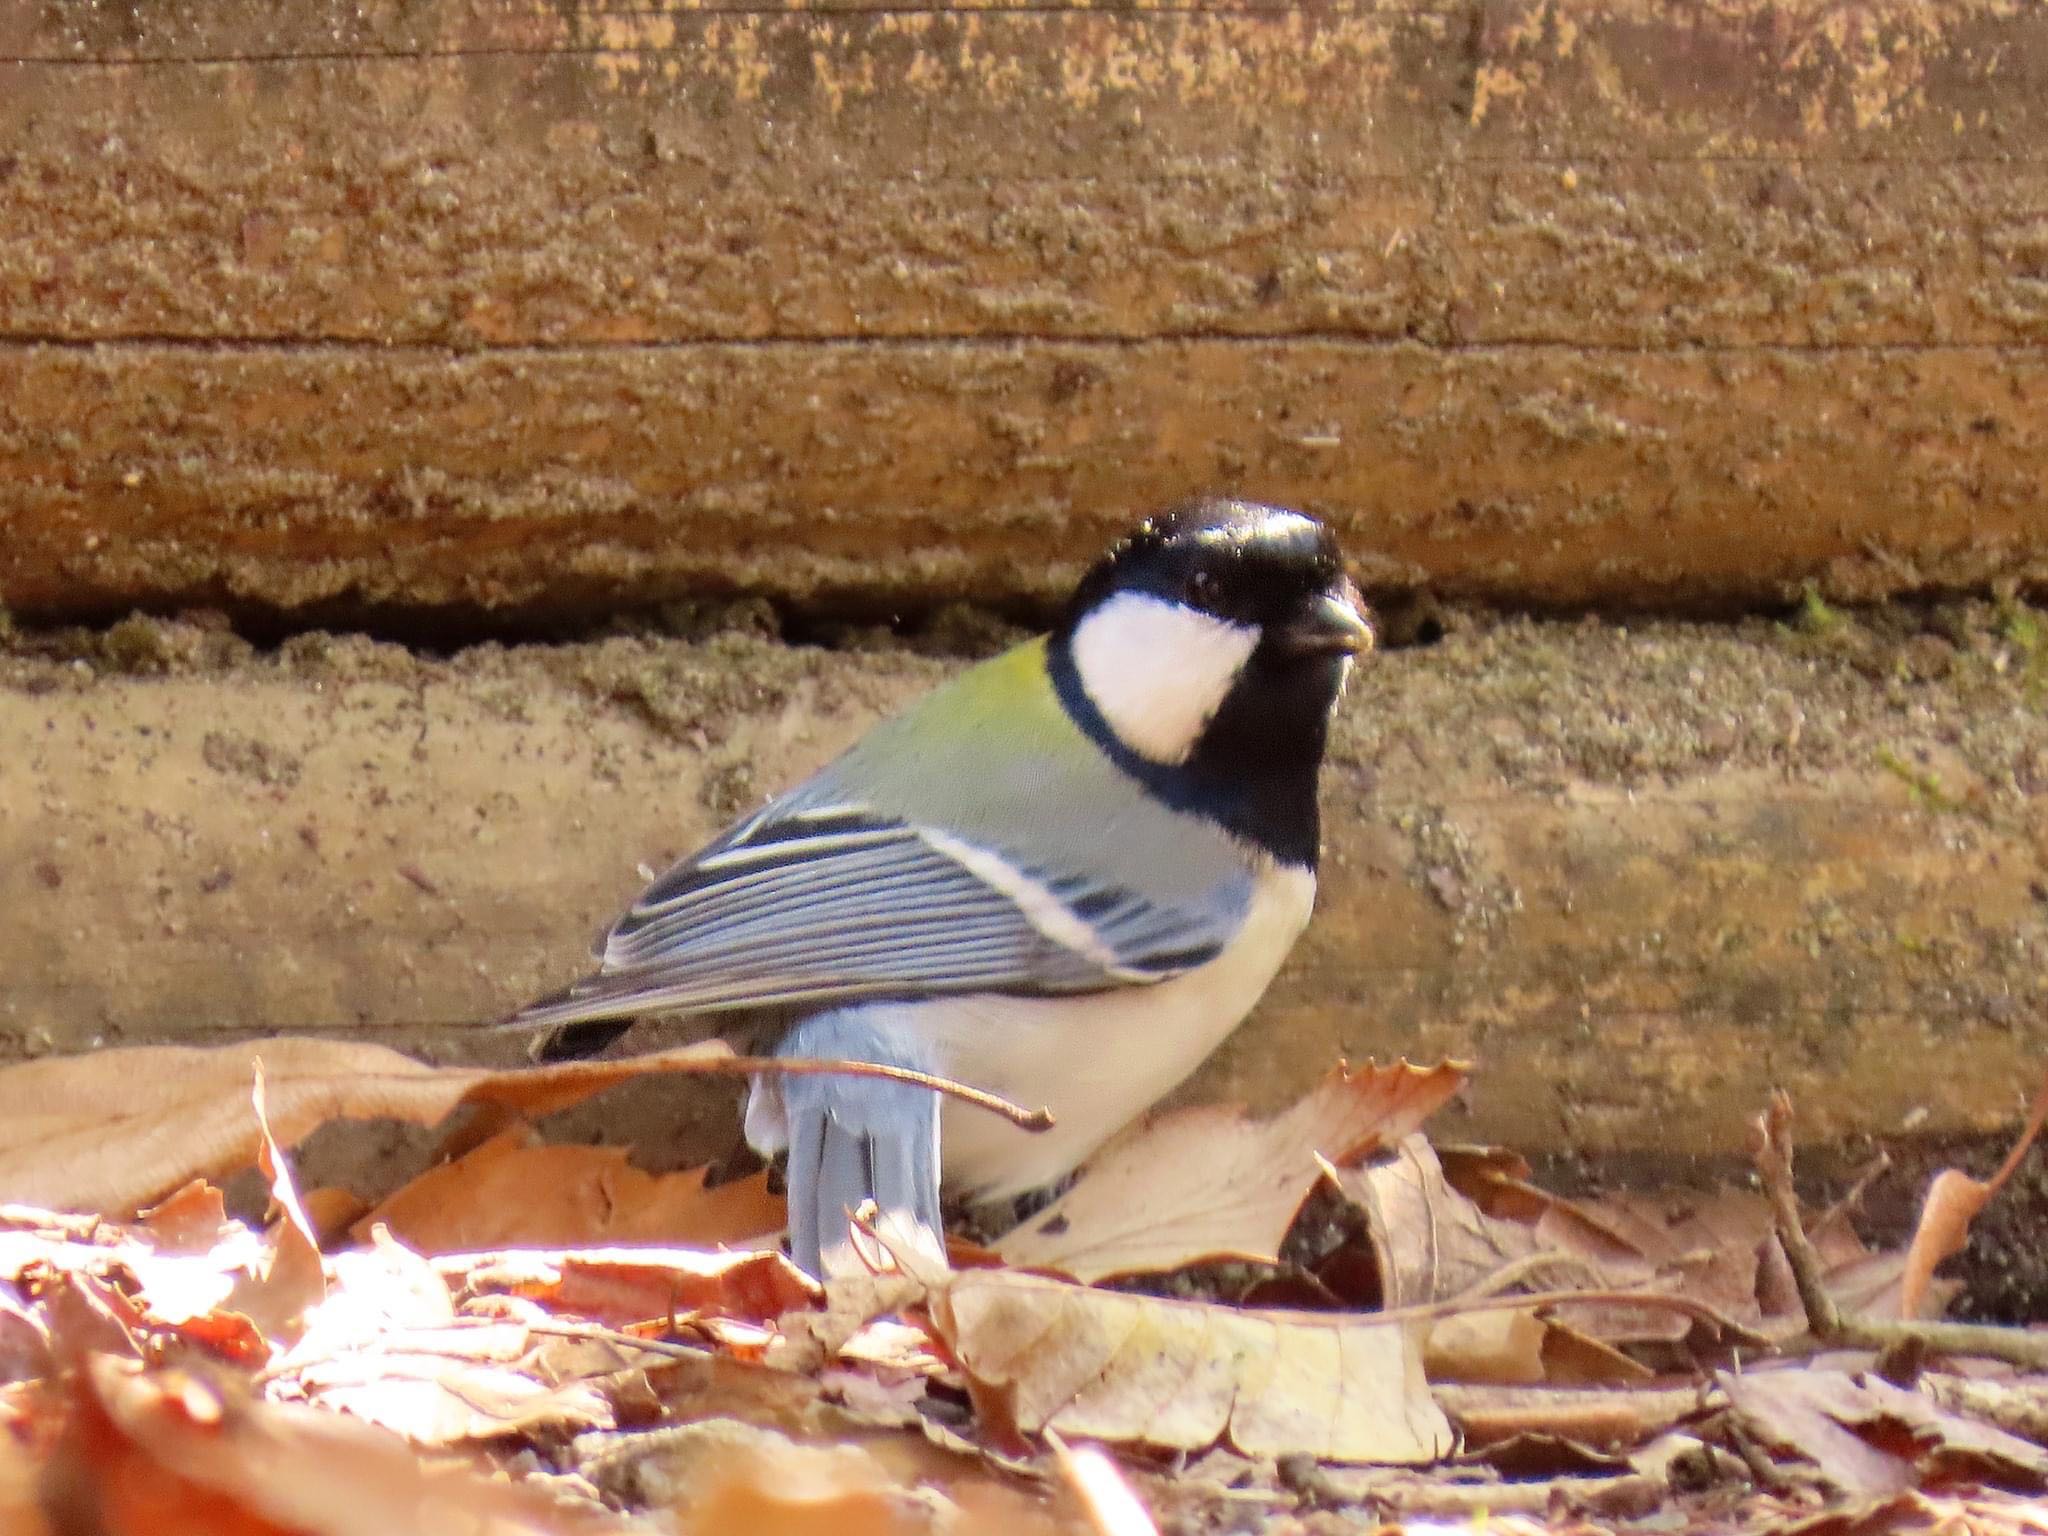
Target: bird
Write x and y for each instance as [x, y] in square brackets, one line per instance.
[1063, 877]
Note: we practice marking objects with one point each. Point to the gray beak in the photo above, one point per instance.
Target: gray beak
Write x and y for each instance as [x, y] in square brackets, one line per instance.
[1333, 624]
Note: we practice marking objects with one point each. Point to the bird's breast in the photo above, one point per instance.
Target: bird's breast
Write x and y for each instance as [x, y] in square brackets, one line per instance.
[1100, 1060]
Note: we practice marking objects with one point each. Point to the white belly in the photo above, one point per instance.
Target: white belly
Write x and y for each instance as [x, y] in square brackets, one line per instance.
[1097, 1062]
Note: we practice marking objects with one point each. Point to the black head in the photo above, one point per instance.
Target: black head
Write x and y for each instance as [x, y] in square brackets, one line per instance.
[1237, 560]
[1205, 653]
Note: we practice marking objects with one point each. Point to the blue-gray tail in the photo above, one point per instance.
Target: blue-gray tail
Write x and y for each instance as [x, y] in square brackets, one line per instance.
[856, 1139]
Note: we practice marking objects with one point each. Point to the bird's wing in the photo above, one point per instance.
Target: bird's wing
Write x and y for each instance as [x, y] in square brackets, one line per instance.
[812, 903]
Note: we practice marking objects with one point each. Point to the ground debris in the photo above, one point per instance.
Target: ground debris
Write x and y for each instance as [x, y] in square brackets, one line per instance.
[543, 1339]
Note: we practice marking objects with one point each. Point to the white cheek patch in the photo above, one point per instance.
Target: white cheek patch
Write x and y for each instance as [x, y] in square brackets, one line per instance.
[1158, 671]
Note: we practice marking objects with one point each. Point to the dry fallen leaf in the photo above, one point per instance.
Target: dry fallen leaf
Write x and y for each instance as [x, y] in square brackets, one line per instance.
[1788, 1411]
[514, 1191]
[116, 1129]
[140, 1280]
[727, 1476]
[1179, 1375]
[171, 1454]
[1953, 1201]
[20, 1514]
[1430, 1242]
[617, 1286]
[1448, 1221]
[468, 1381]
[1212, 1183]
[1523, 1347]
[1599, 1420]
[1865, 1437]
[388, 1346]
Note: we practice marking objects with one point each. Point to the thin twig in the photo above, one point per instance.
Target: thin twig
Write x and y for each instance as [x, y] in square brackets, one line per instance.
[1852, 1199]
[407, 1342]
[595, 1333]
[1515, 1271]
[806, 1066]
[1771, 1150]
[1459, 1306]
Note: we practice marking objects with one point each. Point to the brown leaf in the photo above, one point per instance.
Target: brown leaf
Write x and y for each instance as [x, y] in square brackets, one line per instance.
[1953, 1201]
[628, 1285]
[1211, 1183]
[193, 1219]
[1602, 1420]
[1501, 1348]
[1432, 1243]
[117, 1129]
[514, 1192]
[1179, 1375]
[333, 1211]
[169, 1454]
[1952, 1448]
[20, 1514]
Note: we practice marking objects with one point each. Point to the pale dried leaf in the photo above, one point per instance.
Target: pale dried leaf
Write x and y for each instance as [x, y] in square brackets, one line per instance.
[1522, 1347]
[1799, 1412]
[1430, 1242]
[722, 1477]
[144, 1278]
[1177, 1375]
[277, 1296]
[1575, 1359]
[516, 1192]
[24, 1339]
[388, 1346]
[1717, 1248]
[1212, 1183]
[116, 1129]
[374, 1293]
[470, 1381]
[1951, 1446]
[1785, 1406]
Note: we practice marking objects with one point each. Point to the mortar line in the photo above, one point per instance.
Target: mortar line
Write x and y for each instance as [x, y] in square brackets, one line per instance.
[995, 341]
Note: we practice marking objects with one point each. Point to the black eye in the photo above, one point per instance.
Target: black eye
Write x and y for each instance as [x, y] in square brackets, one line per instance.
[1201, 589]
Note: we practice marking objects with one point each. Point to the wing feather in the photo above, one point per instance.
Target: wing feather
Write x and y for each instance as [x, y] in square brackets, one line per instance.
[813, 903]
